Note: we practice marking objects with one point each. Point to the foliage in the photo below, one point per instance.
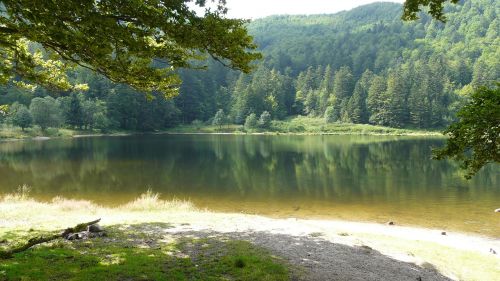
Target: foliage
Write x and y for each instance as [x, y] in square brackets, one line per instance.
[219, 119]
[46, 112]
[251, 122]
[197, 124]
[474, 139]
[4, 109]
[264, 120]
[74, 115]
[413, 7]
[383, 72]
[138, 43]
[22, 117]
[329, 114]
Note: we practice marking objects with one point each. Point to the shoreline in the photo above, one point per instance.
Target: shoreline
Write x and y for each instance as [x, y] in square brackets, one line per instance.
[427, 248]
[268, 133]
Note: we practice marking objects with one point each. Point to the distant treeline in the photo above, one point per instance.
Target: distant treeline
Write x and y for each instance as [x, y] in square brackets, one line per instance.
[360, 66]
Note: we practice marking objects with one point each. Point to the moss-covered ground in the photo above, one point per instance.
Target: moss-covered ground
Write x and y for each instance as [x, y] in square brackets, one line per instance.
[128, 253]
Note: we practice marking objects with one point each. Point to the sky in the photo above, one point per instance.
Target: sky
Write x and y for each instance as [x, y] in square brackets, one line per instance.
[252, 9]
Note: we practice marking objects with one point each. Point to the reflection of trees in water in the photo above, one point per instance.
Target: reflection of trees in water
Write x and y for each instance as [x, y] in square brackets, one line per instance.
[340, 167]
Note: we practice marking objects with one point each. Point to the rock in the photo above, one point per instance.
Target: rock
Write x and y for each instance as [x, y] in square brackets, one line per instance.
[95, 228]
[497, 210]
[390, 223]
[76, 236]
[443, 232]
[85, 235]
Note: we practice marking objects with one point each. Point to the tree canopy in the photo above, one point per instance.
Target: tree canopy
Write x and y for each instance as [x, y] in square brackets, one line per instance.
[139, 43]
[474, 139]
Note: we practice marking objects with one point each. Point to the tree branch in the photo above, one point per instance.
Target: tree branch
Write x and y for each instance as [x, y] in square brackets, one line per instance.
[39, 240]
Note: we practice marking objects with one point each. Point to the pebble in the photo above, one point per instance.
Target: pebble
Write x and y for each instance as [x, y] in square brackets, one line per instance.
[390, 223]
[443, 233]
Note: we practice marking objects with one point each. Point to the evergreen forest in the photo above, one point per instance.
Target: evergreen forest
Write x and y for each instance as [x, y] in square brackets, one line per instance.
[362, 66]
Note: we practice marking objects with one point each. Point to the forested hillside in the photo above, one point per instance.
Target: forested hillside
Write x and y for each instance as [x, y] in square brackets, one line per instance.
[359, 66]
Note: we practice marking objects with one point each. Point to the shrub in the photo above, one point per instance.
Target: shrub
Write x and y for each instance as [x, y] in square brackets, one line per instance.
[219, 119]
[22, 118]
[265, 120]
[330, 114]
[197, 124]
[251, 122]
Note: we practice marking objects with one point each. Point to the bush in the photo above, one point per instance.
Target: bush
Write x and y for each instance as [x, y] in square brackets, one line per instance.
[251, 122]
[101, 122]
[330, 114]
[265, 120]
[197, 124]
[22, 118]
[296, 128]
[219, 119]
[46, 112]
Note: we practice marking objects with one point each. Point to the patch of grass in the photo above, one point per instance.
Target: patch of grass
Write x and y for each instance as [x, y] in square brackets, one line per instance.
[126, 256]
[151, 201]
[314, 125]
[207, 129]
[12, 132]
[304, 125]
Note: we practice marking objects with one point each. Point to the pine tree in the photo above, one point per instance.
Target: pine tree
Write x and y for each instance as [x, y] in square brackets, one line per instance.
[397, 110]
[74, 116]
[343, 87]
[375, 103]
[326, 89]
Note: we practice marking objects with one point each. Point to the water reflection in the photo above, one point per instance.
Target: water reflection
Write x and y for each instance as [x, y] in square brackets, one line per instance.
[385, 176]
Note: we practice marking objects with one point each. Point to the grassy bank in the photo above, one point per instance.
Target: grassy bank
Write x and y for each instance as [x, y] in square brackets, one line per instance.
[15, 133]
[11, 132]
[138, 245]
[294, 125]
[304, 125]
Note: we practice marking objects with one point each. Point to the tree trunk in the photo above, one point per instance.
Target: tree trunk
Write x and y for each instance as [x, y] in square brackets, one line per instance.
[39, 240]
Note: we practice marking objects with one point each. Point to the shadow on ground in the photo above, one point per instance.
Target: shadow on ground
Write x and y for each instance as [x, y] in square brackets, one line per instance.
[159, 251]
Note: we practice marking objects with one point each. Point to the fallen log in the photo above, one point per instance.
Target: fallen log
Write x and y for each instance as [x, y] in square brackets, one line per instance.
[39, 240]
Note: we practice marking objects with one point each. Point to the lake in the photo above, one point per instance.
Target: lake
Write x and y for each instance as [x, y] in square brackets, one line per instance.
[365, 178]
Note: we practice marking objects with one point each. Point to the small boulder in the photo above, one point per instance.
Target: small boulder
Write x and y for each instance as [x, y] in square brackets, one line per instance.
[77, 236]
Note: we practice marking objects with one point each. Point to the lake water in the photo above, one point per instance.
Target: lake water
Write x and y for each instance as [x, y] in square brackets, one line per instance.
[366, 178]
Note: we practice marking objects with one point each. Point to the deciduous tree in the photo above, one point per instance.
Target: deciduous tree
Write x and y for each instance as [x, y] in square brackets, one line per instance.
[475, 139]
[139, 43]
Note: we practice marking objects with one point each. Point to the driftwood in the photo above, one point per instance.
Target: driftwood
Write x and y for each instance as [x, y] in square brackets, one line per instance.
[39, 240]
